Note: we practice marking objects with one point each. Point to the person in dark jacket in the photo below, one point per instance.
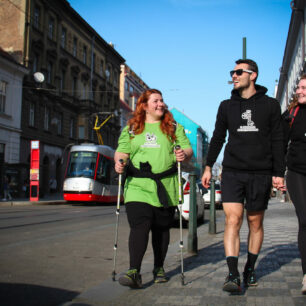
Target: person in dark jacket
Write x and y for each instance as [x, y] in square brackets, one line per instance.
[294, 120]
[253, 160]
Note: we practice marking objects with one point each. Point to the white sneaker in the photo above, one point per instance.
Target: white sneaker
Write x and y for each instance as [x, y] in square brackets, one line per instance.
[304, 285]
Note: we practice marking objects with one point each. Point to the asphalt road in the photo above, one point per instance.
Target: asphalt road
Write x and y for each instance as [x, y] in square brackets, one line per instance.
[51, 253]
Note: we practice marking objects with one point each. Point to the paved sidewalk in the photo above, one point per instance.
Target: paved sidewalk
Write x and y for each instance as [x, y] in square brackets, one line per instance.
[54, 198]
[278, 271]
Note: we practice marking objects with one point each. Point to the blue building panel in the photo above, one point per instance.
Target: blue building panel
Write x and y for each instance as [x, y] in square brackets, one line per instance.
[191, 128]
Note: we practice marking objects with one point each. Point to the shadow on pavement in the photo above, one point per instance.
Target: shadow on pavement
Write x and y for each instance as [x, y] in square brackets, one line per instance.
[276, 257]
[33, 295]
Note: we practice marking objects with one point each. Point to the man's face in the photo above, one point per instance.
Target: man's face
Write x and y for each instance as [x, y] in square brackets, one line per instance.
[244, 80]
[301, 91]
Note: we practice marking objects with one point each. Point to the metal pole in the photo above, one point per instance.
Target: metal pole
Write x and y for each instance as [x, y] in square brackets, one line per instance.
[179, 172]
[212, 209]
[244, 48]
[117, 223]
[192, 225]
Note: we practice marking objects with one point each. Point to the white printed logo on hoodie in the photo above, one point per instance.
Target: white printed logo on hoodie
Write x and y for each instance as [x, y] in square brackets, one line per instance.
[250, 127]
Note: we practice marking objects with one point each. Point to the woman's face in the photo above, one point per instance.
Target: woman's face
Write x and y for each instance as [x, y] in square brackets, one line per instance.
[301, 91]
[155, 108]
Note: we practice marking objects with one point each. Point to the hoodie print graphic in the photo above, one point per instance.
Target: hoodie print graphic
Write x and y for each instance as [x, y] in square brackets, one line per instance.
[250, 127]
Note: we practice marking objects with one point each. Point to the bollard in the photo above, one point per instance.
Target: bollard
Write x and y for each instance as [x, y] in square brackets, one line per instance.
[192, 224]
[212, 209]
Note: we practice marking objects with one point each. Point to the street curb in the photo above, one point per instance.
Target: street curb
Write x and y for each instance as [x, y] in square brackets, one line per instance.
[29, 203]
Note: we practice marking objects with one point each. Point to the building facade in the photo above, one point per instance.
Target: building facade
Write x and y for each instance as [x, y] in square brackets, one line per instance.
[131, 87]
[293, 65]
[11, 77]
[81, 77]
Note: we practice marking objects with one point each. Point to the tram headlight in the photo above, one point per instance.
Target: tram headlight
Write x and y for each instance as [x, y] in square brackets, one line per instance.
[65, 185]
[90, 186]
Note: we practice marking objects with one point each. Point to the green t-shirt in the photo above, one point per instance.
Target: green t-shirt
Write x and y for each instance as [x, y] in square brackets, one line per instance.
[152, 146]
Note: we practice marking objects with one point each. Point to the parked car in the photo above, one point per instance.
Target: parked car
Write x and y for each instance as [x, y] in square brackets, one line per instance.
[185, 206]
[206, 195]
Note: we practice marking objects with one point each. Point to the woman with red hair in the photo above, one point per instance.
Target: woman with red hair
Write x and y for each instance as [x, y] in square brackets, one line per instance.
[147, 146]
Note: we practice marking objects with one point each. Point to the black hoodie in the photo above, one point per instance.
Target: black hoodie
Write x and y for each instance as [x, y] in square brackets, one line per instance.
[296, 136]
[255, 140]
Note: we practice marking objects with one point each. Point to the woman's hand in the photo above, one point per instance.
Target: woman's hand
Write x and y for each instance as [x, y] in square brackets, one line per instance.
[119, 166]
[180, 155]
[120, 161]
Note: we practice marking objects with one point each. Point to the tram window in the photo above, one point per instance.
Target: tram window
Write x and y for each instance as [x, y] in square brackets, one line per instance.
[103, 170]
[113, 175]
[82, 164]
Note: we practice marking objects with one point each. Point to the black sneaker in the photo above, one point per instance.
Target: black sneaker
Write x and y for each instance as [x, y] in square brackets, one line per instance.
[160, 275]
[249, 278]
[131, 278]
[232, 283]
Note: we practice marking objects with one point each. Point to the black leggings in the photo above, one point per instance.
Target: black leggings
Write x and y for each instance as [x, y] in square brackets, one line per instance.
[142, 218]
[296, 184]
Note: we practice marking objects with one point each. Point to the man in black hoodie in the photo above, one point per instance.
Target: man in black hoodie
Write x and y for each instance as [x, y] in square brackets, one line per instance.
[253, 160]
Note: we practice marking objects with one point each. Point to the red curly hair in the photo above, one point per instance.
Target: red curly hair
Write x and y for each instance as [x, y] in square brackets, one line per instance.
[137, 122]
[294, 101]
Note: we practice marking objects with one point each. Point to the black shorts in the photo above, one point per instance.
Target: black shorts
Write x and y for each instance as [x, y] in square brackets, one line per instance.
[252, 190]
[139, 212]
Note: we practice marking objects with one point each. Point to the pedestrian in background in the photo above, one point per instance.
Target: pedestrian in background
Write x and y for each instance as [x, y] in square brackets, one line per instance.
[6, 189]
[149, 141]
[253, 159]
[294, 120]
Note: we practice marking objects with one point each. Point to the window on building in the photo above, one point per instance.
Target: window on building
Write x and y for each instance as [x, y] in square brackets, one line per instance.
[84, 91]
[108, 73]
[32, 114]
[62, 80]
[59, 124]
[49, 72]
[71, 130]
[126, 86]
[85, 55]
[101, 68]
[35, 63]
[51, 28]
[81, 132]
[63, 37]
[74, 86]
[47, 119]
[3, 90]
[115, 78]
[75, 46]
[36, 18]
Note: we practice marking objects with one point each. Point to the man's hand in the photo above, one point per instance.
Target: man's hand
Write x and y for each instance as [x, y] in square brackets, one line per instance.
[278, 183]
[206, 177]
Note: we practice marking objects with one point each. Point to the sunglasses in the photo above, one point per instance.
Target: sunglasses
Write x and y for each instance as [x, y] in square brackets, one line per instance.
[240, 72]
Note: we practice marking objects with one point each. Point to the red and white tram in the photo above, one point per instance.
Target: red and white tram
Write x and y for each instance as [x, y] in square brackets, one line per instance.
[90, 174]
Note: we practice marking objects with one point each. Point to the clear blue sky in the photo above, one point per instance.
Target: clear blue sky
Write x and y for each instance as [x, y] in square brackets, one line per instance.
[186, 48]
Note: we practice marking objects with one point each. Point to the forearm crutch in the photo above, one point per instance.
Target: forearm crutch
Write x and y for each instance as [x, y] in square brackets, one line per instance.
[117, 222]
[180, 212]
